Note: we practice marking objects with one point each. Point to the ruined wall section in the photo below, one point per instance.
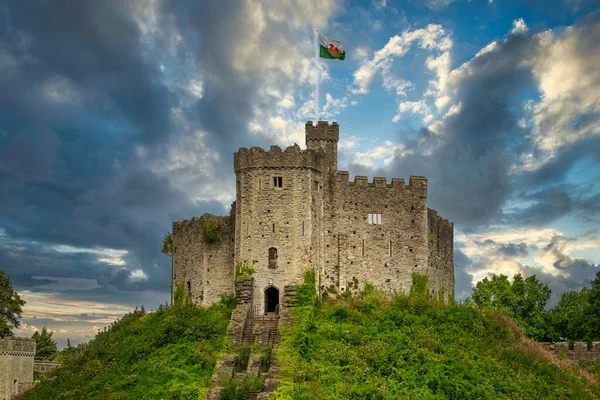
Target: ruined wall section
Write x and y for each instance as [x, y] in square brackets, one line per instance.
[205, 269]
[357, 252]
[440, 238]
[16, 364]
[283, 217]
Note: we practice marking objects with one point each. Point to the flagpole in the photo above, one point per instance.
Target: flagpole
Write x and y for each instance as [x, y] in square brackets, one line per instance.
[317, 75]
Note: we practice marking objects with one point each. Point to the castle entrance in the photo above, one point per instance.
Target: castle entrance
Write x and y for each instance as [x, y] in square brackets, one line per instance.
[271, 299]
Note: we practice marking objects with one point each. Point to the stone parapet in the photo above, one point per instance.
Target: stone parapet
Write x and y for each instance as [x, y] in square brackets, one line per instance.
[17, 346]
[322, 131]
[292, 157]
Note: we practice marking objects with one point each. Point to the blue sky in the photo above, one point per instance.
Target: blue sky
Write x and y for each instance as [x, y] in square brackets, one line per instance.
[118, 118]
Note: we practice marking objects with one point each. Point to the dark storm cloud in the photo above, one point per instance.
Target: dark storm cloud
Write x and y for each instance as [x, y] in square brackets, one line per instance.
[514, 250]
[468, 168]
[463, 280]
[80, 90]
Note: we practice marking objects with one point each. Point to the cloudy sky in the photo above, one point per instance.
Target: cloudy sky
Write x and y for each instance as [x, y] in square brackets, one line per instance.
[117, 118]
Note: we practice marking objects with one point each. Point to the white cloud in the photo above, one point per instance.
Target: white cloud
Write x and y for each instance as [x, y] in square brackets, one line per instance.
[431, 38]
[519, 26]
[384, 153]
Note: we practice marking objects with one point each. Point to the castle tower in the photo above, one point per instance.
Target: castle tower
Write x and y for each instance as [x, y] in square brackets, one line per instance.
[326, 137]
[278, 203]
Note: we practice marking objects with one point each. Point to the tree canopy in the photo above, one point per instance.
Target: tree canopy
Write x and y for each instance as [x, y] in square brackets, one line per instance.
[10, 306]
[45, 347]
[522, 299]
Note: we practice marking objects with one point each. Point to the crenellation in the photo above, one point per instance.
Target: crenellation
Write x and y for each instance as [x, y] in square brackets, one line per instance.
[295, 211]
[379, 182]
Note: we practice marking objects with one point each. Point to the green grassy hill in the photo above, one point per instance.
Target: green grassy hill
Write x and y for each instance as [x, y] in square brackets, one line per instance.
[403, 348]
[367, 347]
[167, 354]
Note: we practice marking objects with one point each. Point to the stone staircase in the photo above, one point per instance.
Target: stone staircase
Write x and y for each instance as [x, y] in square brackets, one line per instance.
[262, 328]
[246, 329]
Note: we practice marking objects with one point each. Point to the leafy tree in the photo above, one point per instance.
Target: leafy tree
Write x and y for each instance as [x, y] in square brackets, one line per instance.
[167, 244]
[594, 307]
[10, 306]
[570, 318]
[522, 299]
[45, 347]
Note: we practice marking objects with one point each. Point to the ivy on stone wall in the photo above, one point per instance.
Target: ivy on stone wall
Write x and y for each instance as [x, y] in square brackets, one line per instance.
[420, 286]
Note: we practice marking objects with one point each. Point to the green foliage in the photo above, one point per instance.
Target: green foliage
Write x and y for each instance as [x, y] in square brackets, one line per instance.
[181, 297]
[373, 347]
[10, 306]
[244, 269]
[592, 366]
[167, 354]
[306, 294]
[210, 231]
[431, 237]
[45, 347]
[243, 356]
[167, 244]
[420, 286]
[238, 389]
[522, 299]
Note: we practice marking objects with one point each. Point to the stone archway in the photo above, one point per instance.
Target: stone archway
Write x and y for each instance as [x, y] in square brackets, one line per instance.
[271, 299]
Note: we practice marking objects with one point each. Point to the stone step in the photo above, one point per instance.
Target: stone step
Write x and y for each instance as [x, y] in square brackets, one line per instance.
[253, 394]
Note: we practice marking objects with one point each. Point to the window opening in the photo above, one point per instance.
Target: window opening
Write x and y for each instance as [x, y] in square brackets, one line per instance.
[273, 228]
[374, 218]
[272, 258]
[390, 248]
[260, 184]
[363, 247]
[278, 181]
[189, 287]
[302, 228]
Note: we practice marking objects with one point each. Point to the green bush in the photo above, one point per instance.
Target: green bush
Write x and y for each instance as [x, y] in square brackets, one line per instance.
[238, 389]
[244, 269]
[210, 231]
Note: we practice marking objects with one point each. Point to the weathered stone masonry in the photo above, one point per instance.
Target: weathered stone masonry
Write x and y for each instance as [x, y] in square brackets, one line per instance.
[16, 365]
[295, 211]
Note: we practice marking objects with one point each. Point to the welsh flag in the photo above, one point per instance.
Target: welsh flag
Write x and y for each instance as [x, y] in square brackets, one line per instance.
[331, 48]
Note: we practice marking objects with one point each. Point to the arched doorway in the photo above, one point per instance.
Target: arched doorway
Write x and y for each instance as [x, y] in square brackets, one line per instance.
[271, 299]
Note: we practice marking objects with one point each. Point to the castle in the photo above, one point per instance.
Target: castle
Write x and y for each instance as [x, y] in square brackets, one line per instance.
[295, 211]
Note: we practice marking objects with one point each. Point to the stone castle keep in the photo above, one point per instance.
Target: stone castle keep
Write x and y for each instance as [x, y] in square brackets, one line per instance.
[294, 211]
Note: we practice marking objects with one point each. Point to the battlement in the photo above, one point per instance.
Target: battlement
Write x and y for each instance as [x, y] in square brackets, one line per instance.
[441, 222]
[322, 131]
[17, 346]
[415, 182]
[291, 157]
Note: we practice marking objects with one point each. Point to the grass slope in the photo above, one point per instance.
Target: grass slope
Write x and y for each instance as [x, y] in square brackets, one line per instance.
[404, 348]
[167, 354]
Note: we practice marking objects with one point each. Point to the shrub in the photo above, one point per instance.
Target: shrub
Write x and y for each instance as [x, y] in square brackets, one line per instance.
[238, 389]
[244, 269]
[210, 231]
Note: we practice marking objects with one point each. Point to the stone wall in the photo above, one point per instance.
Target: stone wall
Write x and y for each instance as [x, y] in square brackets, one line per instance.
[440, 238]
[16, 365]
[385, 254]
[580, 350]
[46, 366]
[205, 269]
